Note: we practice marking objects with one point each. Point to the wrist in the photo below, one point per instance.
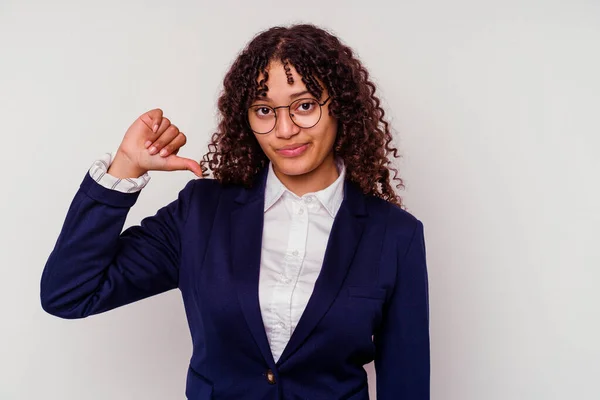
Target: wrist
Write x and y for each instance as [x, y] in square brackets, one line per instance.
[122, 167]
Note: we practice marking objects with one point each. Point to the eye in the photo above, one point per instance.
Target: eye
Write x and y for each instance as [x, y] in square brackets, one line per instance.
[305, 106]
[262, 111]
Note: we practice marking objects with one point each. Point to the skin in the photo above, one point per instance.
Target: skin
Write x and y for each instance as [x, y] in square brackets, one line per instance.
[315, 169]
[152, 142]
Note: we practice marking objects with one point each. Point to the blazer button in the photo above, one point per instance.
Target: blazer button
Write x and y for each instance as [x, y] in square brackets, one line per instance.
[271, 377]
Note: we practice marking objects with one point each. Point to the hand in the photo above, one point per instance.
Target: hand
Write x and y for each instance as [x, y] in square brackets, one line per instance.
[151, 144]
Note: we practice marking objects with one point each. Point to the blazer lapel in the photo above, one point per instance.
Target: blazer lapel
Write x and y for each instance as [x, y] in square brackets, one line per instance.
[343, 240]
[246, 241]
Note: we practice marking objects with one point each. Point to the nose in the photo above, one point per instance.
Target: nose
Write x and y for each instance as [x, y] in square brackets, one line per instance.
[284, 126]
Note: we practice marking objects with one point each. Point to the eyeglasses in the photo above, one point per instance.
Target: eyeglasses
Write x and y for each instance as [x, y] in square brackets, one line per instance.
[305, 113]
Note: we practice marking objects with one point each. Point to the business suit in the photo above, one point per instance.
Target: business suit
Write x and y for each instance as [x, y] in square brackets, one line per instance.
[207, 243]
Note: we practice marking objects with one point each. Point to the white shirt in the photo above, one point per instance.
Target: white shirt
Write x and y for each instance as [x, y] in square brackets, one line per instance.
[295, 234]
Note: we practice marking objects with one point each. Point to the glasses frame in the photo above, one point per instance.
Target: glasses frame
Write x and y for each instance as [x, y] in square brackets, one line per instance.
[290, 112]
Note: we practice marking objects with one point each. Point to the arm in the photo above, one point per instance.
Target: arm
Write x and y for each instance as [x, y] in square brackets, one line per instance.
[94, 267]
[99, 172]
[402, 344]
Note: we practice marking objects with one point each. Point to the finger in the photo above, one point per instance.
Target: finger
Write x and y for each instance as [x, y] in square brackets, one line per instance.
[173, 147]
[162, 127]
[152, 118]
[164, 139]
[176, 163]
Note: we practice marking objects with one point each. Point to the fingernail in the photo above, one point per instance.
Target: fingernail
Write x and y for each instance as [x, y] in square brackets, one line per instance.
[152, 150]
[148, 143]
[163, 152]
[155, 128]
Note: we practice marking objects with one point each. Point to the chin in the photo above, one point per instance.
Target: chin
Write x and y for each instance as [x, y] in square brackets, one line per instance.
[293, 166]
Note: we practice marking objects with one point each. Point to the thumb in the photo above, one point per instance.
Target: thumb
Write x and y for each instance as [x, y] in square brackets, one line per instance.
[176, 163]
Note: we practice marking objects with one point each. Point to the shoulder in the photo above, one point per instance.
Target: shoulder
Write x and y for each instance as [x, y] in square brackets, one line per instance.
[403, 230]
[399, 222]
[207, 190]
[203, 185]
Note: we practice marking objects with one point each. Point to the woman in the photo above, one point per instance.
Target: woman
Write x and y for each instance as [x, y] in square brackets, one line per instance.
[297, 263]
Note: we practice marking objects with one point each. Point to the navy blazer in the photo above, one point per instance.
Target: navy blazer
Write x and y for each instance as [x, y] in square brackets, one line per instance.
[370, 301]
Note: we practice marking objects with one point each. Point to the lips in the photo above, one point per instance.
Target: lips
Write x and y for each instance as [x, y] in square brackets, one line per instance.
[292, 150]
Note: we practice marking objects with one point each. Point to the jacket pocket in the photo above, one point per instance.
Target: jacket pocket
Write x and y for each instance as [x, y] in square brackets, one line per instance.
[197, 387]
[367, 292]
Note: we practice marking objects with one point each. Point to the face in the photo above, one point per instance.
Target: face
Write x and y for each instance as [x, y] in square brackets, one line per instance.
[295, 152]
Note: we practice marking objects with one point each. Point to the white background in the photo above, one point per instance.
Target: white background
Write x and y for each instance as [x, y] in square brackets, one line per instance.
[496, 109]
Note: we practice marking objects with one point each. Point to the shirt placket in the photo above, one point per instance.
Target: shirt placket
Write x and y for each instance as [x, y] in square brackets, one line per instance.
[292, 265]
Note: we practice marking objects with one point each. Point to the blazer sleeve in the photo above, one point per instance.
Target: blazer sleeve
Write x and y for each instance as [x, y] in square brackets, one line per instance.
[402, 360]
[94, 267]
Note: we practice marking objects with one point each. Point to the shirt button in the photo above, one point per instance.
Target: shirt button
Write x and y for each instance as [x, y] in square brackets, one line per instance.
[295, 253]
[281, 325]
[309, 199]
[301, 211]
[270, 377]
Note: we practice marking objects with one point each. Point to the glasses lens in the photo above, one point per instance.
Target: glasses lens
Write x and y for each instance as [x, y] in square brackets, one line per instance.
[261, 118]
[305, 112]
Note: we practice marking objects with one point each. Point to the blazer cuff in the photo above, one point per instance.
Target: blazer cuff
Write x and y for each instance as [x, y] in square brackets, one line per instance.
[107, 196]
[99, 171]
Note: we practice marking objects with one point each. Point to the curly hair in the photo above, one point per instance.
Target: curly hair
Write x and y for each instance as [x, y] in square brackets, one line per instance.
[363, 140]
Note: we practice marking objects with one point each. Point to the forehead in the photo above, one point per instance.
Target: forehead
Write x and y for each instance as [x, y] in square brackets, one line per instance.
[281, 74]
[283, 82]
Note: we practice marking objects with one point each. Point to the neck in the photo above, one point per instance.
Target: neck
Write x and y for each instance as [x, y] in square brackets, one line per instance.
[313, 181]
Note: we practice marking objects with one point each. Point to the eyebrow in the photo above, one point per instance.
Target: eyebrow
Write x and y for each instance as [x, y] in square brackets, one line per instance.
[292, 96]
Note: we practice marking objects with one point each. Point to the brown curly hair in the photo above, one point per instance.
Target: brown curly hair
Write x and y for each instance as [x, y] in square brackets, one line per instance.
[363, 140]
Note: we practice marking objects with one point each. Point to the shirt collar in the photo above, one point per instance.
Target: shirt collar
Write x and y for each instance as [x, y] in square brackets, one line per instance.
[331, 197]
